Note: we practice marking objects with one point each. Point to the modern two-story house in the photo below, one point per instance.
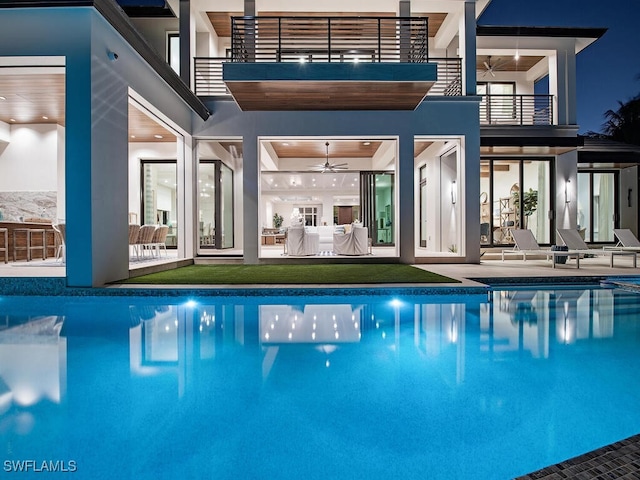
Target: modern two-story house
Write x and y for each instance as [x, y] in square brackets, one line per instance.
[229, 120]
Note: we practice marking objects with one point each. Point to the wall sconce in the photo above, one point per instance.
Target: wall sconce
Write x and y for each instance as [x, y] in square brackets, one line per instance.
[567, 191]
[454, 192]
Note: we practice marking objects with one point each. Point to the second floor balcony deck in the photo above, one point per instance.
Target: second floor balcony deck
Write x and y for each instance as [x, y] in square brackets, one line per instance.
[329, 63]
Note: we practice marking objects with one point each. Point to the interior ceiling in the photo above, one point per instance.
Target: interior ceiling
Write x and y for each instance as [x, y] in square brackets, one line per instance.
[27, 98]
[304, 185]
[505, 64]
[317, 148]
[221, 21]
[30, 97]
[143, 128]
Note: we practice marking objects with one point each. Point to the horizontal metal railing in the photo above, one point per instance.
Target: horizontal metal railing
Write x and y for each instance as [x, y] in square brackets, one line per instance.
[208, 77]
[449, 77]
[329, 39]
[516, 110]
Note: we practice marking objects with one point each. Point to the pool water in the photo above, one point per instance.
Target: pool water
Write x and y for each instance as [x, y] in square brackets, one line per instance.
[429, 387]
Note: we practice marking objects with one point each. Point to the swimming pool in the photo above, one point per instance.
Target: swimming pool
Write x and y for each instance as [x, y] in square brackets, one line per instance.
[467, 387]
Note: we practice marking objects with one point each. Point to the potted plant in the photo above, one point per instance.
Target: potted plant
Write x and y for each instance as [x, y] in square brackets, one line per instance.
[277, 220]
[529, 203]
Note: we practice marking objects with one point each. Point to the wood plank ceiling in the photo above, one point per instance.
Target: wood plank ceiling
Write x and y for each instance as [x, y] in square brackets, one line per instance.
[317, 148]
[37, 98]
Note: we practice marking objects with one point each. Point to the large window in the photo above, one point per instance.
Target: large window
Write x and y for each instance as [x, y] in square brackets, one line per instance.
[158, 179]
[597, 208]
[173, 51]
[377, 197]
[215, 205]
[515, 193]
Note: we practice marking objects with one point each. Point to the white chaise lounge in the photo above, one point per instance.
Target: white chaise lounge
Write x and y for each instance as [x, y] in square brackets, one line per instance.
[526, 244]
[573, 240]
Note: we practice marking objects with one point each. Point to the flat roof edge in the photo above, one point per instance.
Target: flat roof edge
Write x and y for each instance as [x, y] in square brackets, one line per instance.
[528, 31]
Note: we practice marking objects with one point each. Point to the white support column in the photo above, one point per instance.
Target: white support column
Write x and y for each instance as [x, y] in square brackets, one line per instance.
[468, 47]
[567, 170]
[250, 182]
[404, 224]
[562, 83]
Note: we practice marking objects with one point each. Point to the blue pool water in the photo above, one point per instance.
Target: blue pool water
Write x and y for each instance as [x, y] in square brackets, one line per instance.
[430, 387]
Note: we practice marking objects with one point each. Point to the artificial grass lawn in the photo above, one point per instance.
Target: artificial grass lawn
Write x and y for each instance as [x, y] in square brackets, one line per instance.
[335, 274]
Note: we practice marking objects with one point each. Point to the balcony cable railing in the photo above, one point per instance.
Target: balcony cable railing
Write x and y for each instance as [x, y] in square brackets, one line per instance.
[329, 39]
[516, 109]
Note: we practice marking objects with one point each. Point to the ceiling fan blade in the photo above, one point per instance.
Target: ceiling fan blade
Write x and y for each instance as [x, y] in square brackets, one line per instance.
[487, 66]
[491, 72]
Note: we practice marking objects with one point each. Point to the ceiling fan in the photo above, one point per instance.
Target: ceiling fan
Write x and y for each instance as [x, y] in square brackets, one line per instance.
[488, 67]
[329, 167]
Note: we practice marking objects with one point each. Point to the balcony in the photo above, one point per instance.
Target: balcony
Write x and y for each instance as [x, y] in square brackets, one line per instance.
[326, 63]
[516, 110]
[209, 83]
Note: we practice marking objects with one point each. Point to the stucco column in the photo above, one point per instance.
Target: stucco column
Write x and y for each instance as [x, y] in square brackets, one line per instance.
[562, 83]
[185, 41]
[468, 47]
[405, 31]
[250, 184]
[406, 200]
[566, 170]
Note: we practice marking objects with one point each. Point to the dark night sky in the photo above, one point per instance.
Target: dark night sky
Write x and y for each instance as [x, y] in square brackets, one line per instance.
[609, 69]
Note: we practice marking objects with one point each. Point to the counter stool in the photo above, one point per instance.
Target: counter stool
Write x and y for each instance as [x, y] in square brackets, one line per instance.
[4, 243]
[29, 234]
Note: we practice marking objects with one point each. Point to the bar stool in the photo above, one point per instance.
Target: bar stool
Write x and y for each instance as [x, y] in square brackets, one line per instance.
[4, 243]
[29, 235]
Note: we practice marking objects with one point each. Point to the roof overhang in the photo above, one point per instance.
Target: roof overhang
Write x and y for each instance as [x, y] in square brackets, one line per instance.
[329, 86]
[528, 145]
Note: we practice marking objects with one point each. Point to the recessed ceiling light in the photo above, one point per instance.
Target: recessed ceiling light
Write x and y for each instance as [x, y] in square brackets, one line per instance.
[366, 144]
[12, 119]
[157, 136]
[133, 136]
[44, 117]
[2, 98]
[285, 144]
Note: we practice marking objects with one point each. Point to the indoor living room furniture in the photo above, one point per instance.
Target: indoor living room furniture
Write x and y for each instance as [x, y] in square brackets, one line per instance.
[352, 242]
[300, 242]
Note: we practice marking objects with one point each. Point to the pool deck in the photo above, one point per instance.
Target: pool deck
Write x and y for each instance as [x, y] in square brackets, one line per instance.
[620, 460]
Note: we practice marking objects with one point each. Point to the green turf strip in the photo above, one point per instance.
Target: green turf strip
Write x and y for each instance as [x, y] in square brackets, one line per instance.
[335, 274]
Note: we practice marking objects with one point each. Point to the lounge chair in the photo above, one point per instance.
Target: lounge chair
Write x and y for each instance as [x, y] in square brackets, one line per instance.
[573, 240]
[526, 244]
[626, 240]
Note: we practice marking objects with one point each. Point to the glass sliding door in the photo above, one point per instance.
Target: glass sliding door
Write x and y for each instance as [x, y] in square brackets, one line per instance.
[226, 238]
[423, 206]
[215, 205]
[498, 102]
[597, 205]
[506, 215]
[516, 193]
[159, 206]
[377, 197]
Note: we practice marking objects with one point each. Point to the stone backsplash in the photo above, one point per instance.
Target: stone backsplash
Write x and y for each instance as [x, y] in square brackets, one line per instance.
[16, 206]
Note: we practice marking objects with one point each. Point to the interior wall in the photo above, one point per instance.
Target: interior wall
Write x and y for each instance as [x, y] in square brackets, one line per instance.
[449, 240]
[30, 166]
